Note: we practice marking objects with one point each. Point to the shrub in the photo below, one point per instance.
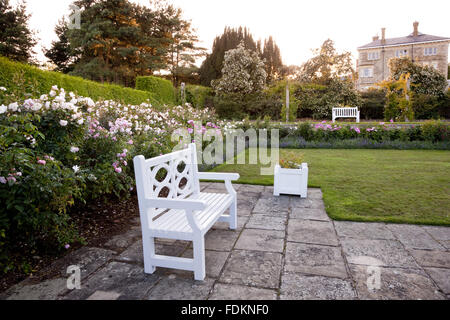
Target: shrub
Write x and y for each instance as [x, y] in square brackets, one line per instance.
[435, 131]
[372, 105]
[62, 149]
[161, 89]
[199, 96]
[42, 81]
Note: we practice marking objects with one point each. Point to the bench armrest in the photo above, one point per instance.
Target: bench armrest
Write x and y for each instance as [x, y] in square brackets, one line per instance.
[190, 204]
[221, 176]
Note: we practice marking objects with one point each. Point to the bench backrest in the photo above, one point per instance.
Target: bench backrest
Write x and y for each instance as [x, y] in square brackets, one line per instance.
[345, 112]
[172, 176]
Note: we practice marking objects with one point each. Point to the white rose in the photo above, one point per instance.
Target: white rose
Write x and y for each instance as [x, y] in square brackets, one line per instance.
[63, 123]
[80, 122]
[13, 106]
[74, 149]
[3, 109]
[3, 88]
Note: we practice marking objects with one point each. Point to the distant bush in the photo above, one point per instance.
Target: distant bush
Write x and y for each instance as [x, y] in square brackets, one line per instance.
[254, 106]
[199, 96]
[161, 89]
[42, 81]
[372, 105]
[317, 101]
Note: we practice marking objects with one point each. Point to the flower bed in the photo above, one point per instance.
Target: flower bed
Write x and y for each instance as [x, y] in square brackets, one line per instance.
[60, 150]
[429, 135]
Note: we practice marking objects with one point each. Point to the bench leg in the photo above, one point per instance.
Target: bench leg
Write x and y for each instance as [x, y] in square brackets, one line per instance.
[199, 257]
[233, 215]
[149, 253]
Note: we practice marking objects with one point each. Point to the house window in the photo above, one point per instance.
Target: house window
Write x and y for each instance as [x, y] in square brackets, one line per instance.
[373, 56]
[401, 53]
[366, 72]
[430, 51]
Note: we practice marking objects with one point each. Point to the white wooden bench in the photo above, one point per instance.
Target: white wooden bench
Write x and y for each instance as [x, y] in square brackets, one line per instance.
[184, 213]
[345, 113]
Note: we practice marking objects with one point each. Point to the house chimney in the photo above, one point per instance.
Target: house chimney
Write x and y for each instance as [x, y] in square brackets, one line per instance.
[383, 35]
[375, 38]
[416, 29]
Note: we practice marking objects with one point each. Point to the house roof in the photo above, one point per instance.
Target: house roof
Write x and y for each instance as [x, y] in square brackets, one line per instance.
[420, 38]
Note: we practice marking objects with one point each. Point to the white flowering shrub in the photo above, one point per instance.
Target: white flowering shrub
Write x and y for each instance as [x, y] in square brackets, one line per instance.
[243, 73]
[61, 149]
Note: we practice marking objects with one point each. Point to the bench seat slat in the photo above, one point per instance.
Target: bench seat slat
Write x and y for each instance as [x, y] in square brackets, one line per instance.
[175, 221]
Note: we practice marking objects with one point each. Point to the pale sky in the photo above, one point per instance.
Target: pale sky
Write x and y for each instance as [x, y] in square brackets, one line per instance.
[296, 25]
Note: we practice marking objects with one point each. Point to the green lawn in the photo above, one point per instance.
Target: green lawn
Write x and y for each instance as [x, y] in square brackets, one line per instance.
[399, 186]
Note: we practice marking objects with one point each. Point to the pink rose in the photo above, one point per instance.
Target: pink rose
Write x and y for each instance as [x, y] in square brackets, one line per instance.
[118, 169]
[43, 162]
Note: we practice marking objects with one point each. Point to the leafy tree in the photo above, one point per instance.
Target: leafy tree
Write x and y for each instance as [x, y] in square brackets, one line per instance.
[424, 79]
[119, 40]
[16, 38]
[182, 50]
[398, 103]
[243, 73]
[327, 65]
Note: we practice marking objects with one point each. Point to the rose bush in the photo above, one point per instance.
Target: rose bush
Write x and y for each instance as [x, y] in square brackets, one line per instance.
[61, 150]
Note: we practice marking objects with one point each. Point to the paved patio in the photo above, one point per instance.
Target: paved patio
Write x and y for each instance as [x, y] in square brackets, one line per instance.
[284, 248]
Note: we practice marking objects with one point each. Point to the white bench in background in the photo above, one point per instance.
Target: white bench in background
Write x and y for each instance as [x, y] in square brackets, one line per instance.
[186, 213]
[345, 113]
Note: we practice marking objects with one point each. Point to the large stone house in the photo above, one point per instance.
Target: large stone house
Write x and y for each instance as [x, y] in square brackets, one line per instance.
[424, 49]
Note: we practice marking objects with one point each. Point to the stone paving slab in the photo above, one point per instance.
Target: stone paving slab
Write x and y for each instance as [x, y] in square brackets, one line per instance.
[261, 240]
[262, 221]
[309, 214]
[313, 232]
[241, 221]
[438, 233]
[134, 254]
[253, 268]
[389, 252]
[214, 262]
[395, 284]
[274, 206]
[220, 240]
[315, 260]
[414, 237]
[176, 287]
[300, 287]
[426, 258]
[284, 248]
[234, 292]
[441, 277]
[298, 202]
[127, 280]
[363, 230]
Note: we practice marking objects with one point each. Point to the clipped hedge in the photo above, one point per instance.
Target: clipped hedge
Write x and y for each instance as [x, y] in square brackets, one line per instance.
[199, 96]
[162, 89]
[44, 80]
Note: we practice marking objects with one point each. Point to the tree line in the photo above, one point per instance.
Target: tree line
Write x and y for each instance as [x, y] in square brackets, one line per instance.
[119, 40]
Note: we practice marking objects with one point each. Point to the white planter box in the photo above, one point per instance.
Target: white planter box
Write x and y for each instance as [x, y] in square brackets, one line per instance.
[291, 181]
